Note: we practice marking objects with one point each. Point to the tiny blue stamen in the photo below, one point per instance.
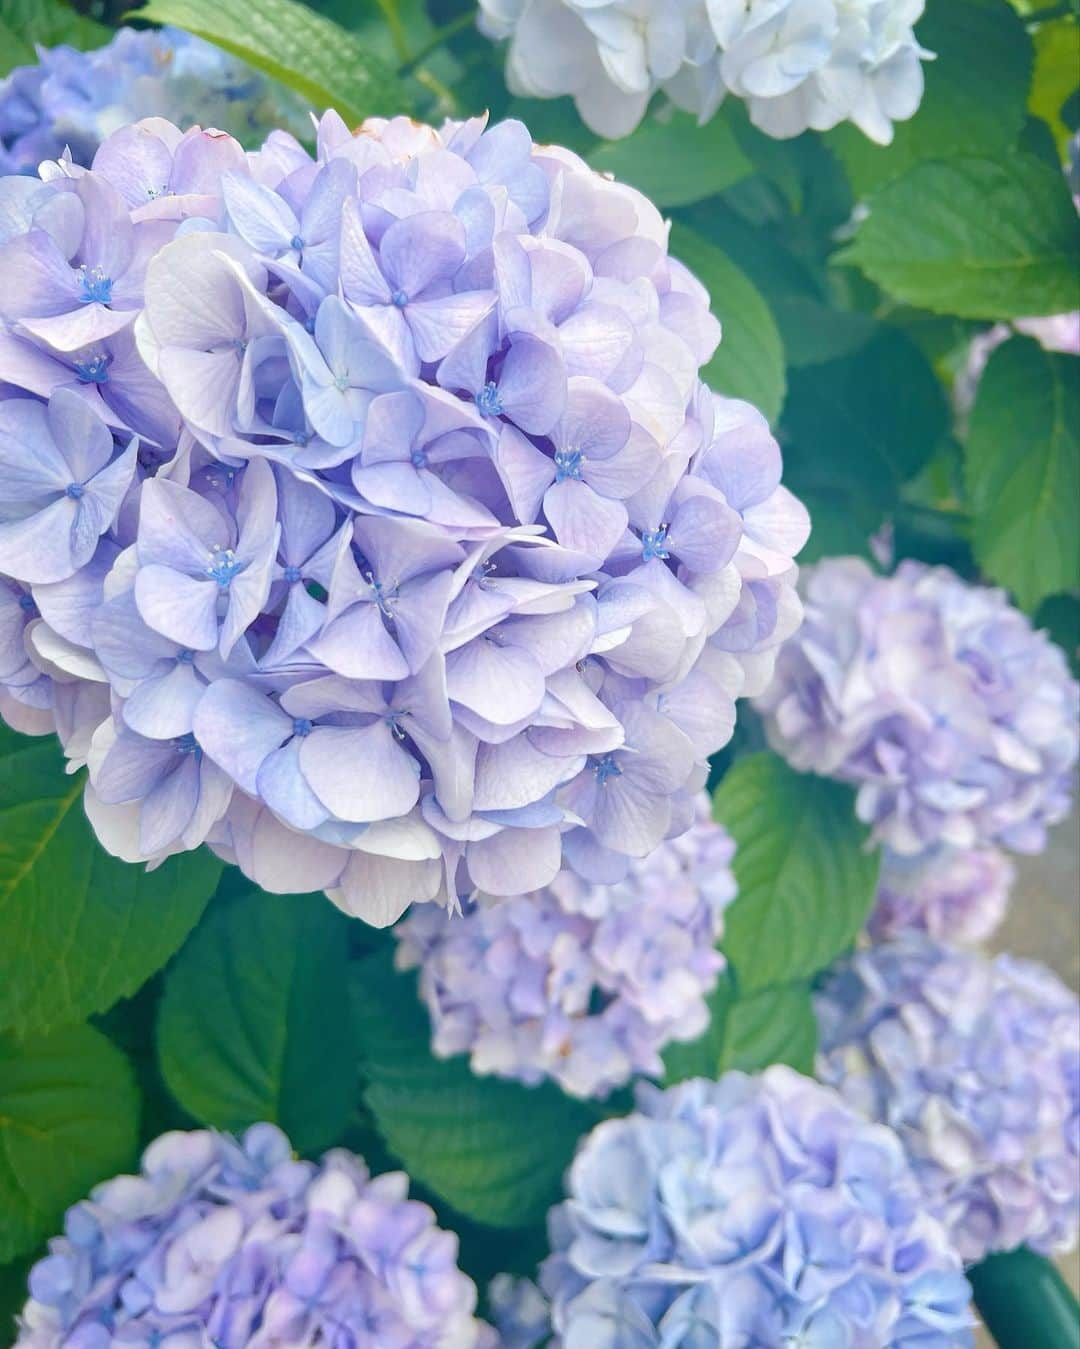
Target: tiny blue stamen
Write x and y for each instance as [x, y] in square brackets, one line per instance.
[418, 459]
[341, 382]
[186, 657]
[400, 299]
[489, 401]
[95, 370]
[187, 744]
[300, 438]
[309, 324]
[606, 768]
[96, 286]
[297, 243]
[654, 544]
[74, 490]
[568, 464]
[223, 566]
[302, 726]
[26, 604]
[384, 596]
[291, 574]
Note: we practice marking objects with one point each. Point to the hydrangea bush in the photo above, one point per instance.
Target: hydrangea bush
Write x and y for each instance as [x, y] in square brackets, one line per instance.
[974, 1064]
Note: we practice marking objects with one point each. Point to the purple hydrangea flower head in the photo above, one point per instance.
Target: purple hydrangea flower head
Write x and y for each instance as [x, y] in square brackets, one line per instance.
[411, 559]
[951, 894]
[975, 1064]
[237, 1243]
[584, 984]
[749, 1211]
[956, 720]
[72, 100]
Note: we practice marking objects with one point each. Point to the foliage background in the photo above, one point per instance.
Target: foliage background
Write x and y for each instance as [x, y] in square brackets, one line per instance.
[850, 280]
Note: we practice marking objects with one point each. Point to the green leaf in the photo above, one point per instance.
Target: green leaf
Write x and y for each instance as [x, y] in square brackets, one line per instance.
[1023, 470]
[749, 363]
[254, 1020]
[975, 97]
[976, 237]
[13, 1296]
[78, 928]
[46, 22]
[806, 879]
[676, 162]
[68, 1119]
[702, 1057]
[1060, 617]
[776, 1025]
[1056, 47]
[494, 1150]
[814, 332]
[863, 424]
[322, 61]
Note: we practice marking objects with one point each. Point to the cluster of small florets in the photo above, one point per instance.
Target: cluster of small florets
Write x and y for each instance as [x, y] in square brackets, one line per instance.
[746, 1211]
[798, 64]
[364, 515]
[71, 100]
[976, 1065]
[239, 1245]
[953, 716]
[582, 984]
[952, 894]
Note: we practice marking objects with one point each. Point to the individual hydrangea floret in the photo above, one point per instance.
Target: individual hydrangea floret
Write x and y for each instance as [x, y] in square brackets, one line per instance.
[956, 720]
[583, 984]
[952, 894]
[409, 557]
[72, 100]
[798, 64]
[750, 1211]
[976, 1065]
[240, 1245]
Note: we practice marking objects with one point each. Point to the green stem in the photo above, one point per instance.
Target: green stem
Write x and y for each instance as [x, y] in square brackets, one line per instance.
[1025, 1302]
[441, 35]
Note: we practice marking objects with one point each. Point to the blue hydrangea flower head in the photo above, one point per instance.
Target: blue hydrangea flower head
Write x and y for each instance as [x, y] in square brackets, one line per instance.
[583, 984]
[976, 1065]
[952, 894]
[238, 1244]
[958, 722]
[753, 1211]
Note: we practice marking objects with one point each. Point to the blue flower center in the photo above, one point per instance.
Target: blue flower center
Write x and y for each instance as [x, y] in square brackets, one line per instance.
[418, 459]
[223, 566]
[187, 744]
[297, 243]
[186, 657]
[94, 370]
[568, 464]
[606, 768]
[300, 438]
[302, 726]
[74, 490]
[309, 324]
[239, 346]
[489, 401]
[291, 574]
[399, 299]
[96, 286]
[654, 544]
[341, 382]
[27, 605]
[384, 596]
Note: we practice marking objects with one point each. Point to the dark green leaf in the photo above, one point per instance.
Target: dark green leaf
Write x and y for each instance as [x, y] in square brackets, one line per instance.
[68, 1119]
[78, 928]
[980, 238]
[814, 332]
[254, 1021]
[24, 23]
[806, 879]
[322, 61]
[1060, 617]
[13, 1296]
[749, 362]
[494, 1150]
[776, 1025]
[975, 97]
[676, 162]
[702, 1057]
[1023, 470]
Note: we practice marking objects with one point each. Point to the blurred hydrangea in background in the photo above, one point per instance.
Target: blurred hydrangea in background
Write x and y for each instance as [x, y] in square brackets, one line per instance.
[952, 894]
[976, 1065]
[583, 984]
[240, 1245]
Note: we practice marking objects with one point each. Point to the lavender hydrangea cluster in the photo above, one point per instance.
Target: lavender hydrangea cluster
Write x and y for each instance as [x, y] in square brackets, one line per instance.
[364, 516]
[952, 894]
[956, 719]
[750, 1211]
[239, 1245]
[797, 63]
[583, 984]
[72, 100]
[976, 1065]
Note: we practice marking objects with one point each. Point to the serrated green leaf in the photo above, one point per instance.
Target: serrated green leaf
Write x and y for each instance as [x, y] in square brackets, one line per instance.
[1057, 73]
[1022, 467]
[980, 238]
[254, 1019]
[806, 879]
[975, 97]
[322, 61]
[24, 23]
[676, 162]
[494, 1150]
[68, 1119]
[776, 1025]
[749, 363]
[78, 928]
